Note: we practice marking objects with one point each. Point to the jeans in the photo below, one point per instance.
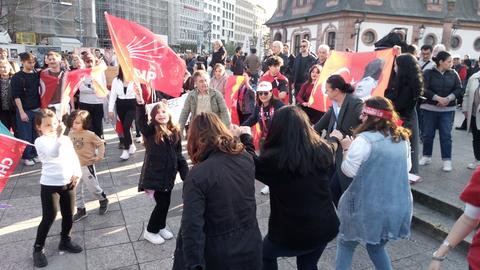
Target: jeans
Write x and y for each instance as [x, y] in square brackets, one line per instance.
[52, 197]
[26, 131]
[443, 121]
[159, 213]
[306, 259]
[377, 254]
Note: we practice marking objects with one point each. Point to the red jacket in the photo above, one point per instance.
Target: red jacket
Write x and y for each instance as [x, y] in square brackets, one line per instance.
[471, 195]
[279, 84]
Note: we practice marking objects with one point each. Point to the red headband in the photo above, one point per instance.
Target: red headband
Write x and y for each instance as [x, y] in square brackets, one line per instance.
[378, 113]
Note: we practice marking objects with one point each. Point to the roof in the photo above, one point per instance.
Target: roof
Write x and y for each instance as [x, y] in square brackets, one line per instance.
[464, 10]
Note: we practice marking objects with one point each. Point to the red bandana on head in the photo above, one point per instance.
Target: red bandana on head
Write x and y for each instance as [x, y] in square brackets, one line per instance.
[384, 114]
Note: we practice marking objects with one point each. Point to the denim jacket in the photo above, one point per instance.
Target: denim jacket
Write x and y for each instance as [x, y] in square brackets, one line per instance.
[378, 203]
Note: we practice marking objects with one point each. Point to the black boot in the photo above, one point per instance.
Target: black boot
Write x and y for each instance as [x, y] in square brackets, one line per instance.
[463, 126]
[68, 246]
[39, 258]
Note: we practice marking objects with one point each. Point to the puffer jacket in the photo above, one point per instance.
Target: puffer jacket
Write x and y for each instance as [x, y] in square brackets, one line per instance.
[443, 85]
[162, 161]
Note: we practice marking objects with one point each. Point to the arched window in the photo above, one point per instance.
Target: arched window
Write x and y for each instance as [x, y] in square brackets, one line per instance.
[331, 39]
[430, 39]
[278, 37]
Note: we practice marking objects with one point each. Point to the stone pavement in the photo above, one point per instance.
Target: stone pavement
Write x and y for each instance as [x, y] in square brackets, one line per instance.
[115, 241]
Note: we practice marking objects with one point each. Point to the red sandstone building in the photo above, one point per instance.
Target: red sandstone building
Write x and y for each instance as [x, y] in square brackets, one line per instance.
[357, 24]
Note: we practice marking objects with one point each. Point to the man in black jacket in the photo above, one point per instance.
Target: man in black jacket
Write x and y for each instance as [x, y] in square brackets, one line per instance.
[25, 85]
[303, 62]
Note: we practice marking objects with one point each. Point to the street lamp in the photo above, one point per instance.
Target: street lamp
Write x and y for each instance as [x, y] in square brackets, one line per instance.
[356, 27]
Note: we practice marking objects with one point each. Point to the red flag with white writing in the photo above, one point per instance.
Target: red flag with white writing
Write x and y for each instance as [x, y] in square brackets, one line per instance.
[11, 150]
[145, 57]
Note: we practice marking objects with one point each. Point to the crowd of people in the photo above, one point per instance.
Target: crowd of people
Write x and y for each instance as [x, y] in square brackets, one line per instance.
[342, 173]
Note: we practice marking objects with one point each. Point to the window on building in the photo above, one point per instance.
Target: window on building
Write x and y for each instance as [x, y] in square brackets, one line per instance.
[301, 2]
[369, 37]
[331, 39]
[306, 36]
[296, 44]
[476, 44]
[430, 39]
[436, 2]
[455, 42]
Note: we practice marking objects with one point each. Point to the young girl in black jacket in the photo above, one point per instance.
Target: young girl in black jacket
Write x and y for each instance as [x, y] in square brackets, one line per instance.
[163, 158]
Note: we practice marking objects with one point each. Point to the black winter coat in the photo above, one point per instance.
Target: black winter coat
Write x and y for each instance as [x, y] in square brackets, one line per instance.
[218, 57]
[162, 161]
[302, 213]
[443, 85]
[219, 229]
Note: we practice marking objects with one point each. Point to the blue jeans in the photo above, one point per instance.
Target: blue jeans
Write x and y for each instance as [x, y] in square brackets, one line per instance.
[443, 121]
[306, 259]
[377, 254]
[27, 132]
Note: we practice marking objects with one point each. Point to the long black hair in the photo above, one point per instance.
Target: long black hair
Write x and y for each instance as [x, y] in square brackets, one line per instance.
[409, 74]
[294, 146]
[120, 73]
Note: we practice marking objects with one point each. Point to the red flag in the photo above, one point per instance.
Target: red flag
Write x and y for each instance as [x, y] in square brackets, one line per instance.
[11, 150]
[231, 96]
[145, 57]
[367, 72]
[48, 85]
[257, 135]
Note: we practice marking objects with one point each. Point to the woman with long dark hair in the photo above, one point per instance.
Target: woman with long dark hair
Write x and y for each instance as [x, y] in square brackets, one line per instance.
[306, 90]
[377, 206]
[342, 117]
[296, 163]
[405, 90]
[442, 88]
[263, 113]
[122, 99]
[219, 228]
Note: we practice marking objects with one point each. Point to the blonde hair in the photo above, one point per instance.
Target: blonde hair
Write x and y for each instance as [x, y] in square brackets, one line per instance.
[8, 65]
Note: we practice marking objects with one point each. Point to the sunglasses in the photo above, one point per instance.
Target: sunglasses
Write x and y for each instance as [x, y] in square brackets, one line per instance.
[263, 93]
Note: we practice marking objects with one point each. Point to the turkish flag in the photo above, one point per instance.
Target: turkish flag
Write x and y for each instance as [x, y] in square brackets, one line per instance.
[145, 57]
[367, 72]
[231, 96]
[48, 85]
[11, 150]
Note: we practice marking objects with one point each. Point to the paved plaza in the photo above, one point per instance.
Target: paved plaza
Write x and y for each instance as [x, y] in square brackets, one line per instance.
[115, 241]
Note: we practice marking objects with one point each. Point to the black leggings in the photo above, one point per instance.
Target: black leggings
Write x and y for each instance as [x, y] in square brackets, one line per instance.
[126, 112]
[476, 138]
[52, 197]
[159, 213]
[96, 117]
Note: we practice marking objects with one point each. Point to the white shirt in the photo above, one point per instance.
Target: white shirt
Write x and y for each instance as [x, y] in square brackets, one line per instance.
[358, 152]
[117, 92]
[88, 94]
[59, 160]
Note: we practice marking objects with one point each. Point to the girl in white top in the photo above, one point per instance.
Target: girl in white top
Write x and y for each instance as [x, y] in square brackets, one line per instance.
[60, 172]
[122, 96]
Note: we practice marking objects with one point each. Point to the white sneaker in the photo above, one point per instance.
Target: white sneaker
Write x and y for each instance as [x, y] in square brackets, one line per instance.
[474, 165]
[36, 160]
[124, 155]
[138, 139]
[265, 190]
[153, 238]
[425, 161]
[28, 162]
[165, 234]
[447, 166]
[132, 149]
